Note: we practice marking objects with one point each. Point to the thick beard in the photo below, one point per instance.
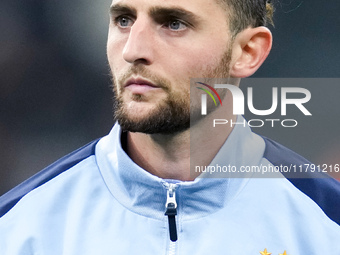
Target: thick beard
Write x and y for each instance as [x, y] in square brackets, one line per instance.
[173, 114]
[170, 116]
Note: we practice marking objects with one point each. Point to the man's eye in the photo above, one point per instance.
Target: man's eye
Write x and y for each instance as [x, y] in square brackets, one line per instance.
[176, 25]
[123, 21]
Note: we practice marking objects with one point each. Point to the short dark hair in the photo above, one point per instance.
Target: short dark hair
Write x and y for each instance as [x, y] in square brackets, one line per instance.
[248, 13]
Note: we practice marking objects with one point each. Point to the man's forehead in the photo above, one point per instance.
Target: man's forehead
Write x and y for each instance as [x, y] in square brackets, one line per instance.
[197, 7]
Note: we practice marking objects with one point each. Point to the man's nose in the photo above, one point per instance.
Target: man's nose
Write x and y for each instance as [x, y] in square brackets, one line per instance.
[139, 46]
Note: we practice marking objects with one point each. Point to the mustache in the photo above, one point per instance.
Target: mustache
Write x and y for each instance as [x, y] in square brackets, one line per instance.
[143, 72]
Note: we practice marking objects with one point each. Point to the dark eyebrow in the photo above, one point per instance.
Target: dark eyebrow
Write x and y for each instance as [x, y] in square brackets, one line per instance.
[159, 13]
[118, 9]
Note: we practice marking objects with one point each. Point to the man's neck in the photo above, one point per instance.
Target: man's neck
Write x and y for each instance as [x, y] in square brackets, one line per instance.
[169, 156]
[166, 156]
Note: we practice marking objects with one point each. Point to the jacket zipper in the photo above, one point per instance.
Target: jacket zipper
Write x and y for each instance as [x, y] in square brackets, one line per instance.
[171, 210]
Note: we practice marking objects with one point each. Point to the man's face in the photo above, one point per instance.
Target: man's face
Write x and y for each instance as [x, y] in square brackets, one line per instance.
[154, 48]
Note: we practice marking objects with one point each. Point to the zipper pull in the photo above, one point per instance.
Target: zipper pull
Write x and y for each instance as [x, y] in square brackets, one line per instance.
[171, 211]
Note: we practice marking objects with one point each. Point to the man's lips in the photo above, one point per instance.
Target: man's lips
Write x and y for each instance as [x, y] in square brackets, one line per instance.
[140, 82]
[139, 86]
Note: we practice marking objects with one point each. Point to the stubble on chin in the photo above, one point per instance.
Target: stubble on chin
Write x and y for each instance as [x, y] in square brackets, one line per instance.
[170, 115]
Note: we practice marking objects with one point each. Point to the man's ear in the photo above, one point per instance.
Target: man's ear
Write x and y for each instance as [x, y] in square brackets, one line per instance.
[250, 48]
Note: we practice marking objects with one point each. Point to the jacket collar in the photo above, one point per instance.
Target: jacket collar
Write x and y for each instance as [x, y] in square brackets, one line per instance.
[145, 194]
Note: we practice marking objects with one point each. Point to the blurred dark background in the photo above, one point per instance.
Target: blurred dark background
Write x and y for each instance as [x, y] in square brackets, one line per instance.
[54, 83]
